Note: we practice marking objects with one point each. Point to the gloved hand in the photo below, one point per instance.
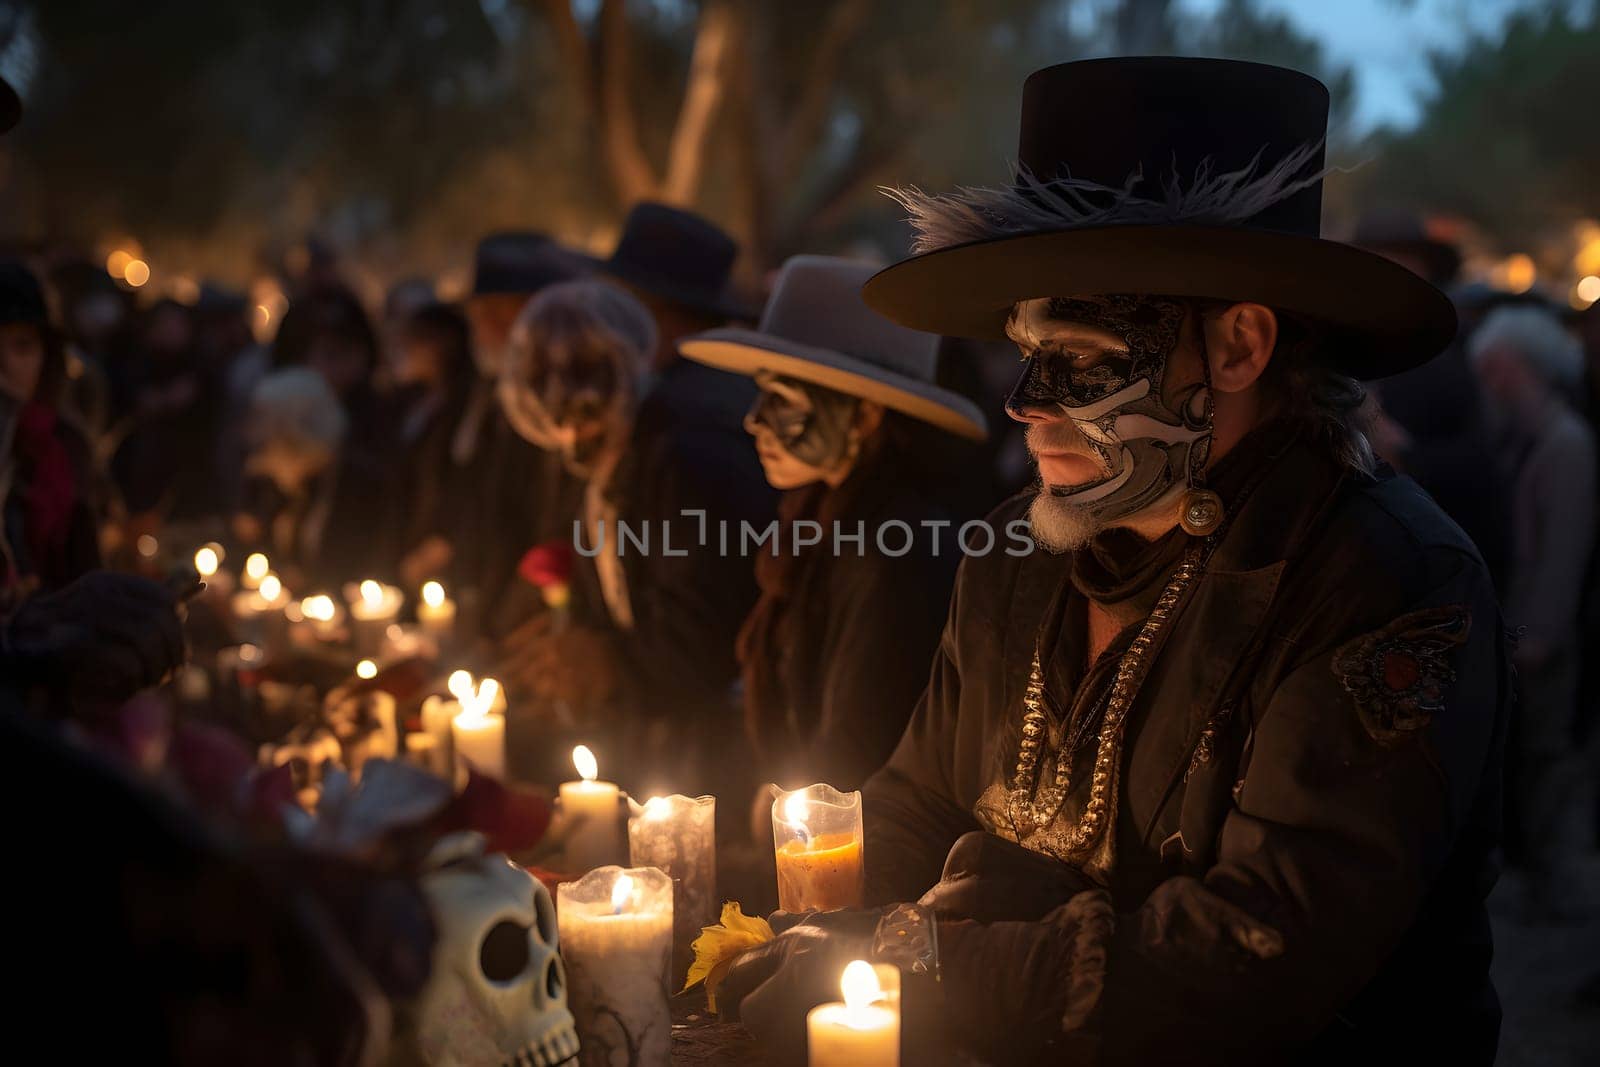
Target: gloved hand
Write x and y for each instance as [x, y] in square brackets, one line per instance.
[990, 879]
[104, 637]
[770, 988]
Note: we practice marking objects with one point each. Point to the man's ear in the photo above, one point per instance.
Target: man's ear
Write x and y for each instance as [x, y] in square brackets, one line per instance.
[1239, 344]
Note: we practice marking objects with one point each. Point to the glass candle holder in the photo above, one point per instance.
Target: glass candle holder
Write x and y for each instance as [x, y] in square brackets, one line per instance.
[817, 844]
[616, 940]
[678, 835]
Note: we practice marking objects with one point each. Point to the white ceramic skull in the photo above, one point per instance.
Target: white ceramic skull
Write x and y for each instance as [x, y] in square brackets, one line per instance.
[497, 993]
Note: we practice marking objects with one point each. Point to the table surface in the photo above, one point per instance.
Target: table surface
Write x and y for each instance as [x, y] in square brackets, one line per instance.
[700, 1039]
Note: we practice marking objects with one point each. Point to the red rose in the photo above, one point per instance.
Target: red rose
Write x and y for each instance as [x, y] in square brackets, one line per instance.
[547, 565]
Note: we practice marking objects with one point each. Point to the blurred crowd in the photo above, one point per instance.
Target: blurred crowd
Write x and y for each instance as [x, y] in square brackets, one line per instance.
[428, 440]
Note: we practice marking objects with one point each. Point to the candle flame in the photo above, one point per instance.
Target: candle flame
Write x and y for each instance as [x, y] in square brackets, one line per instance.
[622, 893]
[432, 594]
[256, 566]
[588, 766]
[859, 984]
[488, 690]
[460, 686]
[366, 670]
[796, 808]
[655, 808]
[317, 608]
[271, 587]
[206, 561]
[372, 594]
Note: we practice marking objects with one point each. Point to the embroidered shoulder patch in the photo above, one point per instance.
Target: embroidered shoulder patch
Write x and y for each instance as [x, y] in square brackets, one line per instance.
[1397, 675]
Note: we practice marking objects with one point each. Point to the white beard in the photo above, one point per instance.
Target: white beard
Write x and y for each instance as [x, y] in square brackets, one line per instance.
[1060, 525]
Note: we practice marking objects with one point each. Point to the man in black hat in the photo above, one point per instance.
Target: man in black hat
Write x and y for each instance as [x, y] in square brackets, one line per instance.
[1215, 776]
[510, 494]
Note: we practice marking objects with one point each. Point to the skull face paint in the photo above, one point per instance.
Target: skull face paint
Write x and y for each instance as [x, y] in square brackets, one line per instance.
[810, 423]
[1102, 362]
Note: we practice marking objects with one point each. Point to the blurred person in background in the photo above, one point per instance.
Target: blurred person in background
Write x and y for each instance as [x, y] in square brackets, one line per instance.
[1529, 366]
[1429, 422]
[170, 428]
[328, 331]
[513, 493]
[433, 375]
[50, 530]
[324, 512]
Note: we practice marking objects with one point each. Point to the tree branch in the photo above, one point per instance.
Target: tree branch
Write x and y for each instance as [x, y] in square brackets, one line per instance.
[631, 172]
[708, 78]
[810, 114]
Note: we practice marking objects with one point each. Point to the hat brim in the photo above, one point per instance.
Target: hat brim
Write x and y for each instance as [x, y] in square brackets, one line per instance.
[720, 305]
[748, 351]
[1393, 320]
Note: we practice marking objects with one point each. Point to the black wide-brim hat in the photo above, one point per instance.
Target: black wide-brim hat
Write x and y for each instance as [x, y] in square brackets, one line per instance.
[678, 257]
[1176, 176]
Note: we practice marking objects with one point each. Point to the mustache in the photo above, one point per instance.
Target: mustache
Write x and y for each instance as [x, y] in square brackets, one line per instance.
[1061, 437]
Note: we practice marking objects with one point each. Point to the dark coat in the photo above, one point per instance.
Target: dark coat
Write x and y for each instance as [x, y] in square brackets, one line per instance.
[689, 453]
[1267, 767]
[850, 644]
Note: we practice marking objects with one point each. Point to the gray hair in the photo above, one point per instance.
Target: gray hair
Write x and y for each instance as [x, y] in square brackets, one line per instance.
[1538, 336]
[1032, 205]
[297, 407]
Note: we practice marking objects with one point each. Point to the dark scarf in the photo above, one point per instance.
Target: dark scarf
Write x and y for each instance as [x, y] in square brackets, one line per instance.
[1125, 574]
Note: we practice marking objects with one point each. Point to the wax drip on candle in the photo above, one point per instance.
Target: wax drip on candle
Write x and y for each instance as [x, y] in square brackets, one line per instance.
[795, 810]
[860, 987]
[588, 766]
[622, 894]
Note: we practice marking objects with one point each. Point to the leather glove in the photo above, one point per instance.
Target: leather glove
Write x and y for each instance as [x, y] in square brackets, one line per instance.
[990, 879]
[770, 988]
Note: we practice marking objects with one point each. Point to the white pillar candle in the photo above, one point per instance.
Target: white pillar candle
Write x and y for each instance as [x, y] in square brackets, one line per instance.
[436, 613]
[615, 930]
[863, 1031]
[479, 736]
[316, 620]
[373, 607]
[437, 714]
[678, 835]
[590, 817]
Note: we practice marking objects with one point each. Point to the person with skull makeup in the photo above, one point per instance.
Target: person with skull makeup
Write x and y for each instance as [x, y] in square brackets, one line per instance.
[650, 630]
[1215, 776]
[848, 425]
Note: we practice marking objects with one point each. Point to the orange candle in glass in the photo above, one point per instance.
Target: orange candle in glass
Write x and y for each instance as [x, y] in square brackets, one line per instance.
[817, 842]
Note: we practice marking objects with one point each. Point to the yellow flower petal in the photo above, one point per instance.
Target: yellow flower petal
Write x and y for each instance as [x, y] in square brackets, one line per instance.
[718, 946]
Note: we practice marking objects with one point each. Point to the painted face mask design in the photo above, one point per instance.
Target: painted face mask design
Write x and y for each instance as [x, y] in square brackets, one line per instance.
[811, 422]
[1113, 394]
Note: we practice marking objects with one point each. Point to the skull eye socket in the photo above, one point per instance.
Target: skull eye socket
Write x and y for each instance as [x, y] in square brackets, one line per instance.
[545, 915]
[553, 982]
[504, 952]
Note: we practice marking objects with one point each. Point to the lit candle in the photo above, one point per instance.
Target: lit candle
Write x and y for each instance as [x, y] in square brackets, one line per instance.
[437, 715]
[206, 561]
[259, 613]
[479, 737]
[678, 835]
[861, 1032]
[615, 929]
[366, 670]
[317, 619]
[436, 614]
[816, 836]
[590, 816]
[256, 567]
[373, 607]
